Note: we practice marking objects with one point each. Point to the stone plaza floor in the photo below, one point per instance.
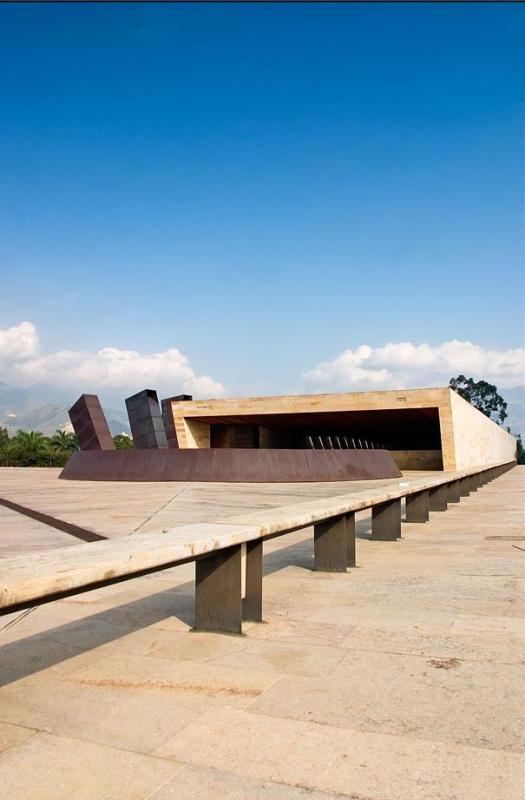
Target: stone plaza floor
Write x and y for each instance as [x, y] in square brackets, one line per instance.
[403, 679]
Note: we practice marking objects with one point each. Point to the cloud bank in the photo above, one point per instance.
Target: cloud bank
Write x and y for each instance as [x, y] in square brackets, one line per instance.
[22, 364]
[405, 365]
[391, 366]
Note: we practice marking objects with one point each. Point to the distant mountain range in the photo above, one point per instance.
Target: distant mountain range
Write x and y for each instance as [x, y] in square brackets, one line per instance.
[43, 409]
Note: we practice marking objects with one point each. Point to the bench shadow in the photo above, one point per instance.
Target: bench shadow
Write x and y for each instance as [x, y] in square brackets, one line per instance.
[39, 651]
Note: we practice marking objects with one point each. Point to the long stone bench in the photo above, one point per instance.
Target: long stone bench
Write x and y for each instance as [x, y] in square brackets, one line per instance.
[228, 555]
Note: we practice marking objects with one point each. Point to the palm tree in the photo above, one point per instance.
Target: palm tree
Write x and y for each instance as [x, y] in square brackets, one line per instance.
[29, 447]
[63, 442]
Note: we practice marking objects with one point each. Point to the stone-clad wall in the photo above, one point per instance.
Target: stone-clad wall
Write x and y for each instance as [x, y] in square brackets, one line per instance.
[477, 439]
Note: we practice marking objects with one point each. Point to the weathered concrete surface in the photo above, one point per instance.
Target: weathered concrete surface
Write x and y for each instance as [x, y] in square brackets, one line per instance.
[401, 680]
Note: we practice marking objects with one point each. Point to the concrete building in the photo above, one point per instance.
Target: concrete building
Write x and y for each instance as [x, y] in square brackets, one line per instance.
[429, 429]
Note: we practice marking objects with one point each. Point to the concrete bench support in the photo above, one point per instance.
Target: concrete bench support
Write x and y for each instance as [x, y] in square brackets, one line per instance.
[252, 600]
[464, 487]
[453, 492]
[386, 521]
[438, 498]
[218, 604]
[417, 507]
[350, 540]
[330, 545]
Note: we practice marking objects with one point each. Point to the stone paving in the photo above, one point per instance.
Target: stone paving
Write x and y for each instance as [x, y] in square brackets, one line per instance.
[119, 509]
[402, 679]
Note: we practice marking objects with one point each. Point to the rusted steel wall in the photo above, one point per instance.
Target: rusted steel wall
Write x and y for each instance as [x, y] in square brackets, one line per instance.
[231, 465]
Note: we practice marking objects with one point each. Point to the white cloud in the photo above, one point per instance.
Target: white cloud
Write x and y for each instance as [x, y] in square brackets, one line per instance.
[405, 365]
[18, 342]
[107, 369]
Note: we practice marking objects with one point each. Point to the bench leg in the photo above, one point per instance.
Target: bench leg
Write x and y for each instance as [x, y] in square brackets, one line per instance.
[453, 492]
[330, 545]
[350, 540]
[218, 605]
[252, 600]
[464, 487]
[386, 521]
[437, 498]
[417, 506]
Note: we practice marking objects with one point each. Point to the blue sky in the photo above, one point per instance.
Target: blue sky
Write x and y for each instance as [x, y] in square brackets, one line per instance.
[262, 188]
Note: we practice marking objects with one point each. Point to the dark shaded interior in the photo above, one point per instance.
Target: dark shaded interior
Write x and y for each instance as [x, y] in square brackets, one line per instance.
[405, 429]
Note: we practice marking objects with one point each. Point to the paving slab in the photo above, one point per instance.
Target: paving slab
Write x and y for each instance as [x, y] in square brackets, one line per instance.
[118, 714]
[13, 735]
[193, 781]
[60, 768]
[198, 682]
[432, 698]
[464, 644]
[200, 646]
[22, 532]
[345, 762]
[399, 680]
[285, 658]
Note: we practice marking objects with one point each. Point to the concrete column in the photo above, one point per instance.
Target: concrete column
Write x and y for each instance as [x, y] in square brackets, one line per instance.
[350, 540]
[453, 492]
[438, 498]
[417, 507]
[252, 600]
[218, 604]
[464, 488]
[330, 545]
[386, 521]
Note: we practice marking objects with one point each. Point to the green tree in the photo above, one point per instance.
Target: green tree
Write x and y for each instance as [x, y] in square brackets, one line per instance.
[63, 442]
[29, 448]
[4, 445]
[4, 438]
[482, 395]
[123, 442]
[520, 450]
